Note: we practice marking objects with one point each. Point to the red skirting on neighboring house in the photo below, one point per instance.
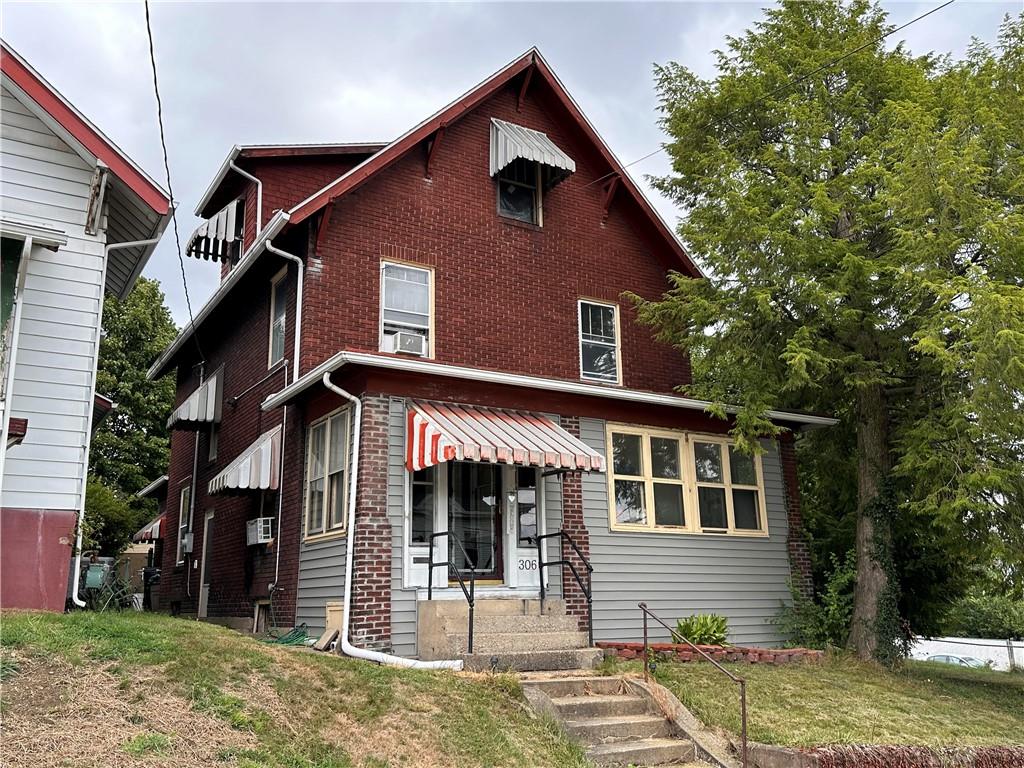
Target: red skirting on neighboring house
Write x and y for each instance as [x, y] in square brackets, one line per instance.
[35, 554]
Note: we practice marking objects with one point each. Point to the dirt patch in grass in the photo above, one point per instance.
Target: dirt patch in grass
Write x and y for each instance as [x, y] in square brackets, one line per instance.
[57, 714]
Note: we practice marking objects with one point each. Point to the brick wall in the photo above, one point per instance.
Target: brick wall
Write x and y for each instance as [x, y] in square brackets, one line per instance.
[799, 551]
[574, 525]
[370, 620]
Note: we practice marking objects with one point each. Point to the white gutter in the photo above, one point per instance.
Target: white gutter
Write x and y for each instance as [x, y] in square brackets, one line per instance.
[415, 365]
[274, 226]
[271, 248]
[217, 179]
[88, 434]
[259, 191]
[347, 648]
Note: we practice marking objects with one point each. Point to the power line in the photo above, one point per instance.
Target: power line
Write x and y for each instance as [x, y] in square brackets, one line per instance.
[170, 190]
[788, 84]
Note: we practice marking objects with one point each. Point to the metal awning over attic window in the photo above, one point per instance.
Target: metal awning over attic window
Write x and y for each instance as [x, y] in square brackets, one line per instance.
[200, 408]
[511, 142]
[219, 237]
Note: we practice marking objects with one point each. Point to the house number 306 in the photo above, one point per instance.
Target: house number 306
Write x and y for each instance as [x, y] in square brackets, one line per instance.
[527, 565]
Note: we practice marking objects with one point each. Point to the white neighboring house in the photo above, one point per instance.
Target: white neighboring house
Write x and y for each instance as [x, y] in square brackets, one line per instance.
[78, 220]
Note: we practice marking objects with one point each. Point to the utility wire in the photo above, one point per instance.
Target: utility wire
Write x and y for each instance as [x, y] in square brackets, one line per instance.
[170, 190]
[788, 84]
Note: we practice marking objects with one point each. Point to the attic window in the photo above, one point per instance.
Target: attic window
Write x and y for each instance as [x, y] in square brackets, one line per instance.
[519, 192]
[526, 163]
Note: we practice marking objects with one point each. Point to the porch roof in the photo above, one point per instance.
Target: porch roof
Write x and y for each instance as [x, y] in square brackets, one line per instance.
[440, 432]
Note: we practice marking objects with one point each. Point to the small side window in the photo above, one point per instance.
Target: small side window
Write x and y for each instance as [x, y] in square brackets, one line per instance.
[519, 191]
[599, 342]
[406, 309]
[278, 309]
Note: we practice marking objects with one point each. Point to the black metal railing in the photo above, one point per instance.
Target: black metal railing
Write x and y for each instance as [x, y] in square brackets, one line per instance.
[469, 593]
[735, 678]
[585, 588]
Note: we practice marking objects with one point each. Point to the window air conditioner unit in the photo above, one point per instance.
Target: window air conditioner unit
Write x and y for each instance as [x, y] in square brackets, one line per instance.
[410, 344]
[259, 531]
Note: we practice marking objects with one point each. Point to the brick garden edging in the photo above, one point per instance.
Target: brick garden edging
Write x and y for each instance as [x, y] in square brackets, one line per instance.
[682, 652]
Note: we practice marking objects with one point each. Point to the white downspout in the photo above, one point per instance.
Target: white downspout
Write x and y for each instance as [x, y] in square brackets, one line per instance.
[259, 193]
[298, 304]
[347, 648]
[92, 397]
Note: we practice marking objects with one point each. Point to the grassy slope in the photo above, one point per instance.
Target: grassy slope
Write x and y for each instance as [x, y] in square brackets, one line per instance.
[288, 707]
[843, 701]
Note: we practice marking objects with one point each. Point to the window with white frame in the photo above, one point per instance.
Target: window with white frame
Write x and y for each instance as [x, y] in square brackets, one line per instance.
[670, 481]
[214, 441]
[184, 519]
[599, 341]
[519, 191]
[406, 307]
[278, 313]
[327, 474]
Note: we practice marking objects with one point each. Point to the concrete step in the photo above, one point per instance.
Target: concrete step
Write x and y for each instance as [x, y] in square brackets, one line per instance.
[601, 730]
[599, 705]
[513, 642]
[646, 752]
[498, 606]
[528, 623]
[533, 661]
[576, 686]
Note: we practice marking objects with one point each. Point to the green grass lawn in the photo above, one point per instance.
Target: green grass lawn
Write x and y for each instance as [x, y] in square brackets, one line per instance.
[843, 701]
[149, 689]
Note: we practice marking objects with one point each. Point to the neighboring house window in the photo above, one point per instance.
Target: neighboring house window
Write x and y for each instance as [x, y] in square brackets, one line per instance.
[519, 191]
[599, 342]
[278, 306]
[214, 441]
[184, 519]
[327, 473]
[677, 482]
[406, 308]
[422, 527]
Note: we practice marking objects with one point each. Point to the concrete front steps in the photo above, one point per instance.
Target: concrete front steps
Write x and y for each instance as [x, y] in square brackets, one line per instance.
[508, 635]
[617, 727]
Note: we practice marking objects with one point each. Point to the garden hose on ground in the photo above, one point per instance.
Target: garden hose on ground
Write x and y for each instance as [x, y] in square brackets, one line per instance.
[298, 636]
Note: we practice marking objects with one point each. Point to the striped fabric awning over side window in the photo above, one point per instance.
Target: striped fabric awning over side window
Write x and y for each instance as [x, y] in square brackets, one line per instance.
[440, 432]
[257, 468]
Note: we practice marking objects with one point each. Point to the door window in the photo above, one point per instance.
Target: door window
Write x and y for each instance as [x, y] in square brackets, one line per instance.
[474, 498]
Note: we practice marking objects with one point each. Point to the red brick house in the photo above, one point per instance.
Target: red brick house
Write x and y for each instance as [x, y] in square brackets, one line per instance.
[464, 378]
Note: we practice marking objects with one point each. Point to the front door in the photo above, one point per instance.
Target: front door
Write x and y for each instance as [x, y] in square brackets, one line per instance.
[204, 568]
[474, 519]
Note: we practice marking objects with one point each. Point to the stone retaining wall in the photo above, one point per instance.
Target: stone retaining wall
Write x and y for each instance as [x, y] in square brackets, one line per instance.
[682, 652]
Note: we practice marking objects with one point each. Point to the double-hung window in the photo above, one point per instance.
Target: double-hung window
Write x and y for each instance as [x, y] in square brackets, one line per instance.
[671, 481]
[184, 519]
[406, 307]
[278, 307]
[327, 474]
[599, 342]
[519, 191]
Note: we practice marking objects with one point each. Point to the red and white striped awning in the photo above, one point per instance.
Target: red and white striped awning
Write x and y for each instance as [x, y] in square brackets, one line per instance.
[440, 432]
[150, 531]
[257, 468]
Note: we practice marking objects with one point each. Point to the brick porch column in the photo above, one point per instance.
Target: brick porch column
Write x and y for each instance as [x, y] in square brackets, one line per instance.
[799, 552]
[574, 524]
[370, 620]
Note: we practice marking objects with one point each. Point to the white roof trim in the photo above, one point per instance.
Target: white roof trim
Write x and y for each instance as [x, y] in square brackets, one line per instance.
[257, 468]
[413, 365]
[275, 225]
[41, 234]
[162, 480]
[203, 406]
[511, 142]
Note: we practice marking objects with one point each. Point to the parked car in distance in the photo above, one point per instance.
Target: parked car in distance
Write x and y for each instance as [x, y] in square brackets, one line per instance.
[962, 661]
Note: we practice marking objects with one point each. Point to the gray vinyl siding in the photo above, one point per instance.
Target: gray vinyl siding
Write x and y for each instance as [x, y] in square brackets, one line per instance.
[321, 581]
[44, 182]
[744, 579]
[403, 601]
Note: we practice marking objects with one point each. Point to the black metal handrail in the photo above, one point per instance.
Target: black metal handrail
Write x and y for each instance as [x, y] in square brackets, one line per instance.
[735, 678]
[585, 588]
[470, 593]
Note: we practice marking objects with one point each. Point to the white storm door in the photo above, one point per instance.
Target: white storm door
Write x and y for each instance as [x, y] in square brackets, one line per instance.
[204, 568]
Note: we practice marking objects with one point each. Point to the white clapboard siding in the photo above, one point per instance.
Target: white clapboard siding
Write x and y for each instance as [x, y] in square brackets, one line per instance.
[42, 180]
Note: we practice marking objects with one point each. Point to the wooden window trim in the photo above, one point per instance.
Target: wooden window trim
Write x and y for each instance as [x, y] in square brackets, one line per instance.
[618, 340]
[691, 509]
[327, 530]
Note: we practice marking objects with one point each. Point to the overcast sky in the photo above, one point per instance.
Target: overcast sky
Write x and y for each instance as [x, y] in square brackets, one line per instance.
[264, 73]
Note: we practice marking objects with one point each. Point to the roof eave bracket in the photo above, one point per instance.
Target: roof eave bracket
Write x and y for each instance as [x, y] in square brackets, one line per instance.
[432, 147]
[609, 194]
[524, 87]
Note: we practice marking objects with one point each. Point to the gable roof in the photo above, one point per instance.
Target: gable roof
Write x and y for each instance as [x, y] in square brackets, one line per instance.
[463, 105]
[280, 150]
[82, 130]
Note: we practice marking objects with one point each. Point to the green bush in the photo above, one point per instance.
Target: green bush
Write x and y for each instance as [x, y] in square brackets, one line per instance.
[990, 616]
[823, 621]
[704, 629]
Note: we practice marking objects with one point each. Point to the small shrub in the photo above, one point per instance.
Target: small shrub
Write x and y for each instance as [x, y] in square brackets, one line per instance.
[823, 622]
[704, 629]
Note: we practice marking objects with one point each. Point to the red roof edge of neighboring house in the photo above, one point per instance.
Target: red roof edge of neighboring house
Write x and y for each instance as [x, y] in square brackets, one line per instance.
[461, 106]
[16, 431]
[87, 134]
